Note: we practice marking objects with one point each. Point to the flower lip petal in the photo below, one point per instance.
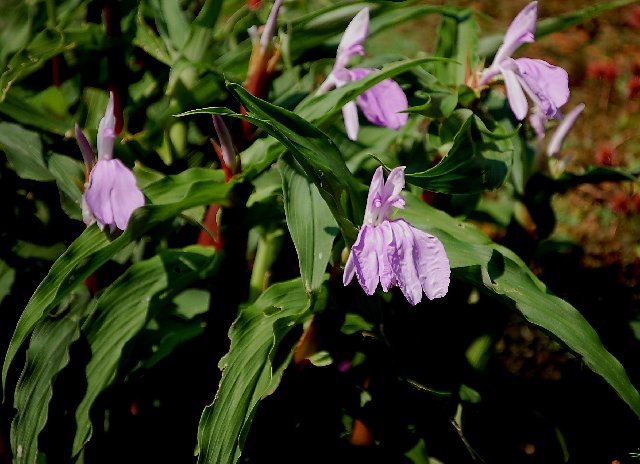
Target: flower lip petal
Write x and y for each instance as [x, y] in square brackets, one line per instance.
[546, 84]
[384, 103]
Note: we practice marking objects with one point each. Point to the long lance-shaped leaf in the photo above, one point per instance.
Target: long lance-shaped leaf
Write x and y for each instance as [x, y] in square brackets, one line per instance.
[122, 312]
[248, 370]
[194, 187]
[488, 46]
[312, 149]
[499, 272]
[310, 223]
[47, 355]
[318, 110]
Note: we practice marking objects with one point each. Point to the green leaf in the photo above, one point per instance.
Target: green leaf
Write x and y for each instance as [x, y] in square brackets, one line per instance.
[94, 248]
[312, 149]
[47, 355]
[44, 46]
[124, 308]
[24, 151]
[458, 40]
[488, 46]
[500, 273]
[15, 106]
[320, 110]
[7, 277]
[478, 160]
[249, 370]
[310, 223]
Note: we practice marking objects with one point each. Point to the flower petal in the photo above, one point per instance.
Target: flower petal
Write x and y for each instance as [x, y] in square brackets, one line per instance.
[106, 132]
[351, 123]
[352, 42]
[522, 30]
[547, 85]
[563, 129]
[383, 103]
[431, 262]
[98, 193]
[515, 94]
[126, 197]
[385, 249]
[374, 198]
[403, 263]
[366, 259]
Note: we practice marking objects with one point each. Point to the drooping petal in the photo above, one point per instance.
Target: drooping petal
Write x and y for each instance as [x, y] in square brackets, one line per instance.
[85, 148]
[126, 197]
[112, 194]
[522, 30]
[106, 132]
[431, 261]
[383, 103]
[515, 95]
[385, 249]
[403, 263]
[351, 123]
[563, 129]
[87, 217]
[546, 85]
[365, 259]
[352, 42]
[98, 192]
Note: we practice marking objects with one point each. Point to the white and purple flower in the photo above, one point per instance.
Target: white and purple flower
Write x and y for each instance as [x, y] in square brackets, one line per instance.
[383, 103]
[111, 194]
[394, 253]
[546, 85]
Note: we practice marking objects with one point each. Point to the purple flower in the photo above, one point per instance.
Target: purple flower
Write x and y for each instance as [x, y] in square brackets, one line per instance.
[111, 194]
[546, 85]
[381, 104]
[394, 253]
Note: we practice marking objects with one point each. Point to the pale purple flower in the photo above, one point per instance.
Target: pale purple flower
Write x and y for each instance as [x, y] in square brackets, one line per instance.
[546, 85]
[563, 129]
[383, 103]
[111, 193]
[394, 253]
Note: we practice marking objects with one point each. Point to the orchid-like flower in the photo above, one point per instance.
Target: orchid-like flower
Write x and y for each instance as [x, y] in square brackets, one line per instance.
[383, 103]
[226, 150]
[111, 193]
[546, 85]
[394, 253]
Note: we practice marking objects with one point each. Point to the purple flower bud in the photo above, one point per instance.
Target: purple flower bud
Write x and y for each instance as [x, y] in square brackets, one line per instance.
[394, 253]
[111, 194]
[270, 27]
[226, 143]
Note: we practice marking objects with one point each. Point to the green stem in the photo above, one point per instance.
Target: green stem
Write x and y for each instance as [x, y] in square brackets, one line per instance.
[266, 254]
[51, 13]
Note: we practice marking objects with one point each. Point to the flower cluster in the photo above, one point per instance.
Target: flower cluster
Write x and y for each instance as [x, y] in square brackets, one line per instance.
[394, 253]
